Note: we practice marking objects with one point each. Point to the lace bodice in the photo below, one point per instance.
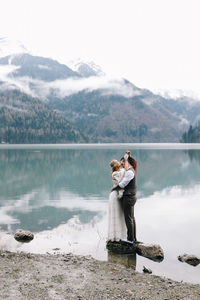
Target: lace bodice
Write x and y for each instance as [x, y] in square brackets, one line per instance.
[117, 176]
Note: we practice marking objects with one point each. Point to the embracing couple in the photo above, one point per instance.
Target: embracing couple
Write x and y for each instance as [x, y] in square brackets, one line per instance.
[121, 222]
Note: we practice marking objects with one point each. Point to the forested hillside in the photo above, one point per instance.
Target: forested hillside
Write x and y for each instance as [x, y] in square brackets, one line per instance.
[24, 119]
[192, 135]
[83, 100]
[115, 118]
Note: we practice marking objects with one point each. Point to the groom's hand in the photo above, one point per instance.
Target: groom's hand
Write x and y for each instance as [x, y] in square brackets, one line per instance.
[126, 157]
[113, 189]
[127, 154]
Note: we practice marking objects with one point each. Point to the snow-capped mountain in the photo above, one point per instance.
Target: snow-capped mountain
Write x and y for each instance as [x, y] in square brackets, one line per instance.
[36, 67]
[96, 104]
[11, 47]
[86, 68]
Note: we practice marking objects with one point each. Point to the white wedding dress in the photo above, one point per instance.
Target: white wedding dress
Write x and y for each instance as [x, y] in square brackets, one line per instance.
[116, 223]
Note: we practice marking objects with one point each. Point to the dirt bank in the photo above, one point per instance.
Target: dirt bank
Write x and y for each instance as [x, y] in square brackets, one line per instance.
[56, 277]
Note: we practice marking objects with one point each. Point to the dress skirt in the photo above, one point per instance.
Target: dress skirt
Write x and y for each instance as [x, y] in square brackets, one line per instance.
[116, 222]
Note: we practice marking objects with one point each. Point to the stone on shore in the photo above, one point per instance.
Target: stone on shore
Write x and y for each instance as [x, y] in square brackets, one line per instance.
[146, 270]
[44, 276]
[23, 236]
[151, 251]
[121, 247]
[189, 259]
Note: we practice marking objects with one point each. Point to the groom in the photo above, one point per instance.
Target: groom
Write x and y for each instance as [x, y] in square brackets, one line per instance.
[128, 199]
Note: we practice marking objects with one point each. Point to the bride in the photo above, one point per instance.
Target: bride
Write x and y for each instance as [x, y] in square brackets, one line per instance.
[116, 223]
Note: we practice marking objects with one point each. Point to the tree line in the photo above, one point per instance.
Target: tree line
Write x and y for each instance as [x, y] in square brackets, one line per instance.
[24, 119]
[192, 135]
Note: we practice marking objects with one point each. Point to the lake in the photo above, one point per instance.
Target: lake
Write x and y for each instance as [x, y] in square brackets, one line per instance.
[60, 192]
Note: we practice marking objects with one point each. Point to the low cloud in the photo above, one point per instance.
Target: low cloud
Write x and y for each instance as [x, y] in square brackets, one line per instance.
[183, 122]
[149, 100]
[6, 70]
[13, 108]
[191, 96]
[9, 82]
[107, 85]
[65, 87]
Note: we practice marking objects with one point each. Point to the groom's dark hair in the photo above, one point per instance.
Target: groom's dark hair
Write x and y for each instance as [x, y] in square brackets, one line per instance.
[132, 162]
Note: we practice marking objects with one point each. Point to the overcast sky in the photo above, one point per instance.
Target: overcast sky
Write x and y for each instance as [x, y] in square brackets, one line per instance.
[153, 43]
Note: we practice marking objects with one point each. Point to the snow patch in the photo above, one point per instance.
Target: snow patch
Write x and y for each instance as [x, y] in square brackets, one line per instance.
[43, 67]
[76, 66]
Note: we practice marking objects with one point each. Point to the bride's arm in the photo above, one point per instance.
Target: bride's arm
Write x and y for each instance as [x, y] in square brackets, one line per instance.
[126, 165]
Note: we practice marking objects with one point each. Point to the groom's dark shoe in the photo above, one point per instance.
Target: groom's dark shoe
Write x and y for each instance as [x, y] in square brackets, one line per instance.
[136, 242]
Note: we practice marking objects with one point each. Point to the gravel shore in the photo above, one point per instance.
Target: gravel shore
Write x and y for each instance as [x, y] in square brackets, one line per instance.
[66, 276]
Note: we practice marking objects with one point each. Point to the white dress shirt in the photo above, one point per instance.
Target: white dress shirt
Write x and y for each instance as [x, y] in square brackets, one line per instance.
[129, 175]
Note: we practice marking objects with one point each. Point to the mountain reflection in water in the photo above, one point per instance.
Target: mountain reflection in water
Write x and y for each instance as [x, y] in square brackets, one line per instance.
[61, 194]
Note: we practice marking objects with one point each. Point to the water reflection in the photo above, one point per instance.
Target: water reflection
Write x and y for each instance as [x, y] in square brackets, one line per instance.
[73, 236]
[86, 172]
[62, 196]
[52, 170]
[194, 155]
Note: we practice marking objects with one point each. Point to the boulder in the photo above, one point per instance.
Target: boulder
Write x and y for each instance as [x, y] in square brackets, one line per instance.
[151, 251]
[146, 270]
[189, 259]
[23, 236]
[120, 247]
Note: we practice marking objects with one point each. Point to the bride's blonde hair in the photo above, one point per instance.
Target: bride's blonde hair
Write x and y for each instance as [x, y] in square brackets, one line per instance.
[114, 163]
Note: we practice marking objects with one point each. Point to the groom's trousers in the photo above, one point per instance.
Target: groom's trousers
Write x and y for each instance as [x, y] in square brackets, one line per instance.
[128, 202]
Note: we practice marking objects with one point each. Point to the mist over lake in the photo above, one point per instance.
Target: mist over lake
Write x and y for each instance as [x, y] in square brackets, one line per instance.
[60, 193]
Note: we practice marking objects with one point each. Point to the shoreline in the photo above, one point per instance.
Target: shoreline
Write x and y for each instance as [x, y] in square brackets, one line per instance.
[123, 146]
[69, 276]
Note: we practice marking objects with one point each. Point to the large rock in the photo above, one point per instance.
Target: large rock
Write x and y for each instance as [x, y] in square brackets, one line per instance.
[189, 259]
[23, 236]
[121, 247]
[150, 251]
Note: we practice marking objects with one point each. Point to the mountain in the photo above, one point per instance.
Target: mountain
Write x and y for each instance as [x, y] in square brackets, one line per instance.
[24, 119]
[115, 118]
[103, 109]
[37, 67]
[187, 108]
[86, 68]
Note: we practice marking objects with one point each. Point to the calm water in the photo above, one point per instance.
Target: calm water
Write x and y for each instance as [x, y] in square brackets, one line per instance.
[61, 194]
